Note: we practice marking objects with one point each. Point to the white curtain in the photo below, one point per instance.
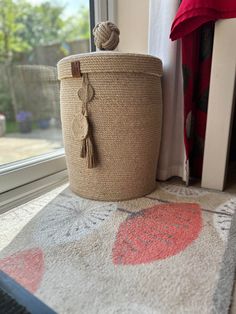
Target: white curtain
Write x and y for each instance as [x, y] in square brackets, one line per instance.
[172, 156]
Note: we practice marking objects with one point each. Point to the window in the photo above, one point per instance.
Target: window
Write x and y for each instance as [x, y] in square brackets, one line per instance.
[34, 36]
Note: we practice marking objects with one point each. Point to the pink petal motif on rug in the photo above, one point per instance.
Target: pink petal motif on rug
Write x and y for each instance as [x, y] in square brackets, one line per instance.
[26, 267]
[156, 233]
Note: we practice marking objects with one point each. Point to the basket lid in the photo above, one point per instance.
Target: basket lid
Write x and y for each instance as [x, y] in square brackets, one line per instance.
[76, 65]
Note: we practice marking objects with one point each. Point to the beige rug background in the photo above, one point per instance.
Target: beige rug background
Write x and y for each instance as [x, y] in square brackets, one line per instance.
[169, 252]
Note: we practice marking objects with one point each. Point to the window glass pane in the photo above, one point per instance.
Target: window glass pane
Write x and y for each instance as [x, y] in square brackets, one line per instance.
[34, 36]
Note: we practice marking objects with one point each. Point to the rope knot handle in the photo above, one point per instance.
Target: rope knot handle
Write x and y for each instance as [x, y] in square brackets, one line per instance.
[106, 35]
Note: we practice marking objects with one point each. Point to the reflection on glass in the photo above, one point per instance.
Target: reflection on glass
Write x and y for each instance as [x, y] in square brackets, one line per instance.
[34, 36]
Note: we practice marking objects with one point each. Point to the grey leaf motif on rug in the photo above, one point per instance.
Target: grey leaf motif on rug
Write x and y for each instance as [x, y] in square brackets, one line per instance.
[184, 191]
[223, 219]
[69, 218]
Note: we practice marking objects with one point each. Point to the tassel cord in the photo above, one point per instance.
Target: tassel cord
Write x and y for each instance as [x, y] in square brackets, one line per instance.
[87, 150]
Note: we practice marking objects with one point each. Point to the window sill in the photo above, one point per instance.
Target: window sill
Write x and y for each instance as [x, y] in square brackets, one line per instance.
[27, 192]
[16, 174]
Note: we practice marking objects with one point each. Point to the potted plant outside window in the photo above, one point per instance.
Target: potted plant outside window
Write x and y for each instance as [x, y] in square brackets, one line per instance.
[24, 119]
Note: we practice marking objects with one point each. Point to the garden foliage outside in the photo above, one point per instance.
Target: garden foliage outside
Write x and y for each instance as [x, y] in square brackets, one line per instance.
[32, 39]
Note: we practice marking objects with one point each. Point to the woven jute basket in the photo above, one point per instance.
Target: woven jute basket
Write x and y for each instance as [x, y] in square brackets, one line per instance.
[111, 111]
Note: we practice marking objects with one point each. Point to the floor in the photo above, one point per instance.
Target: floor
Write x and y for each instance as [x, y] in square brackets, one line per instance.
[65, 250]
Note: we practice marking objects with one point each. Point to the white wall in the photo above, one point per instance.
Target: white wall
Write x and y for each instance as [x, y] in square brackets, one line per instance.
[132, 20]
[220, 105]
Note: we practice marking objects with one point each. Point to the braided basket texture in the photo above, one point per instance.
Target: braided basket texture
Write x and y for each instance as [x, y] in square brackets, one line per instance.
[120, 95]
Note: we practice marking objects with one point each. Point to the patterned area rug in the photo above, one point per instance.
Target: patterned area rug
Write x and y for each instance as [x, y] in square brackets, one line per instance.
[172, 251]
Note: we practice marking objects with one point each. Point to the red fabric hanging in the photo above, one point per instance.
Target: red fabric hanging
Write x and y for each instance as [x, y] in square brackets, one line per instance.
[194, 24]
[194, 13]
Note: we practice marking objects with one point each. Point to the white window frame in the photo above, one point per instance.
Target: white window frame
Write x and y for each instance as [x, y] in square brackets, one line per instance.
[21, 172]
[47, 168]
[105, 10]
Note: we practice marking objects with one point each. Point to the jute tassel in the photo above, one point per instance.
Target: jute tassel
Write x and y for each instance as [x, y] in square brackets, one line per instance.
[83, 149]
[90, 153]
[86, 94]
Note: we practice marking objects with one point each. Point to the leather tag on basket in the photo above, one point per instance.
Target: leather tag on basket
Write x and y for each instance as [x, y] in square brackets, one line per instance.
[75, 69]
